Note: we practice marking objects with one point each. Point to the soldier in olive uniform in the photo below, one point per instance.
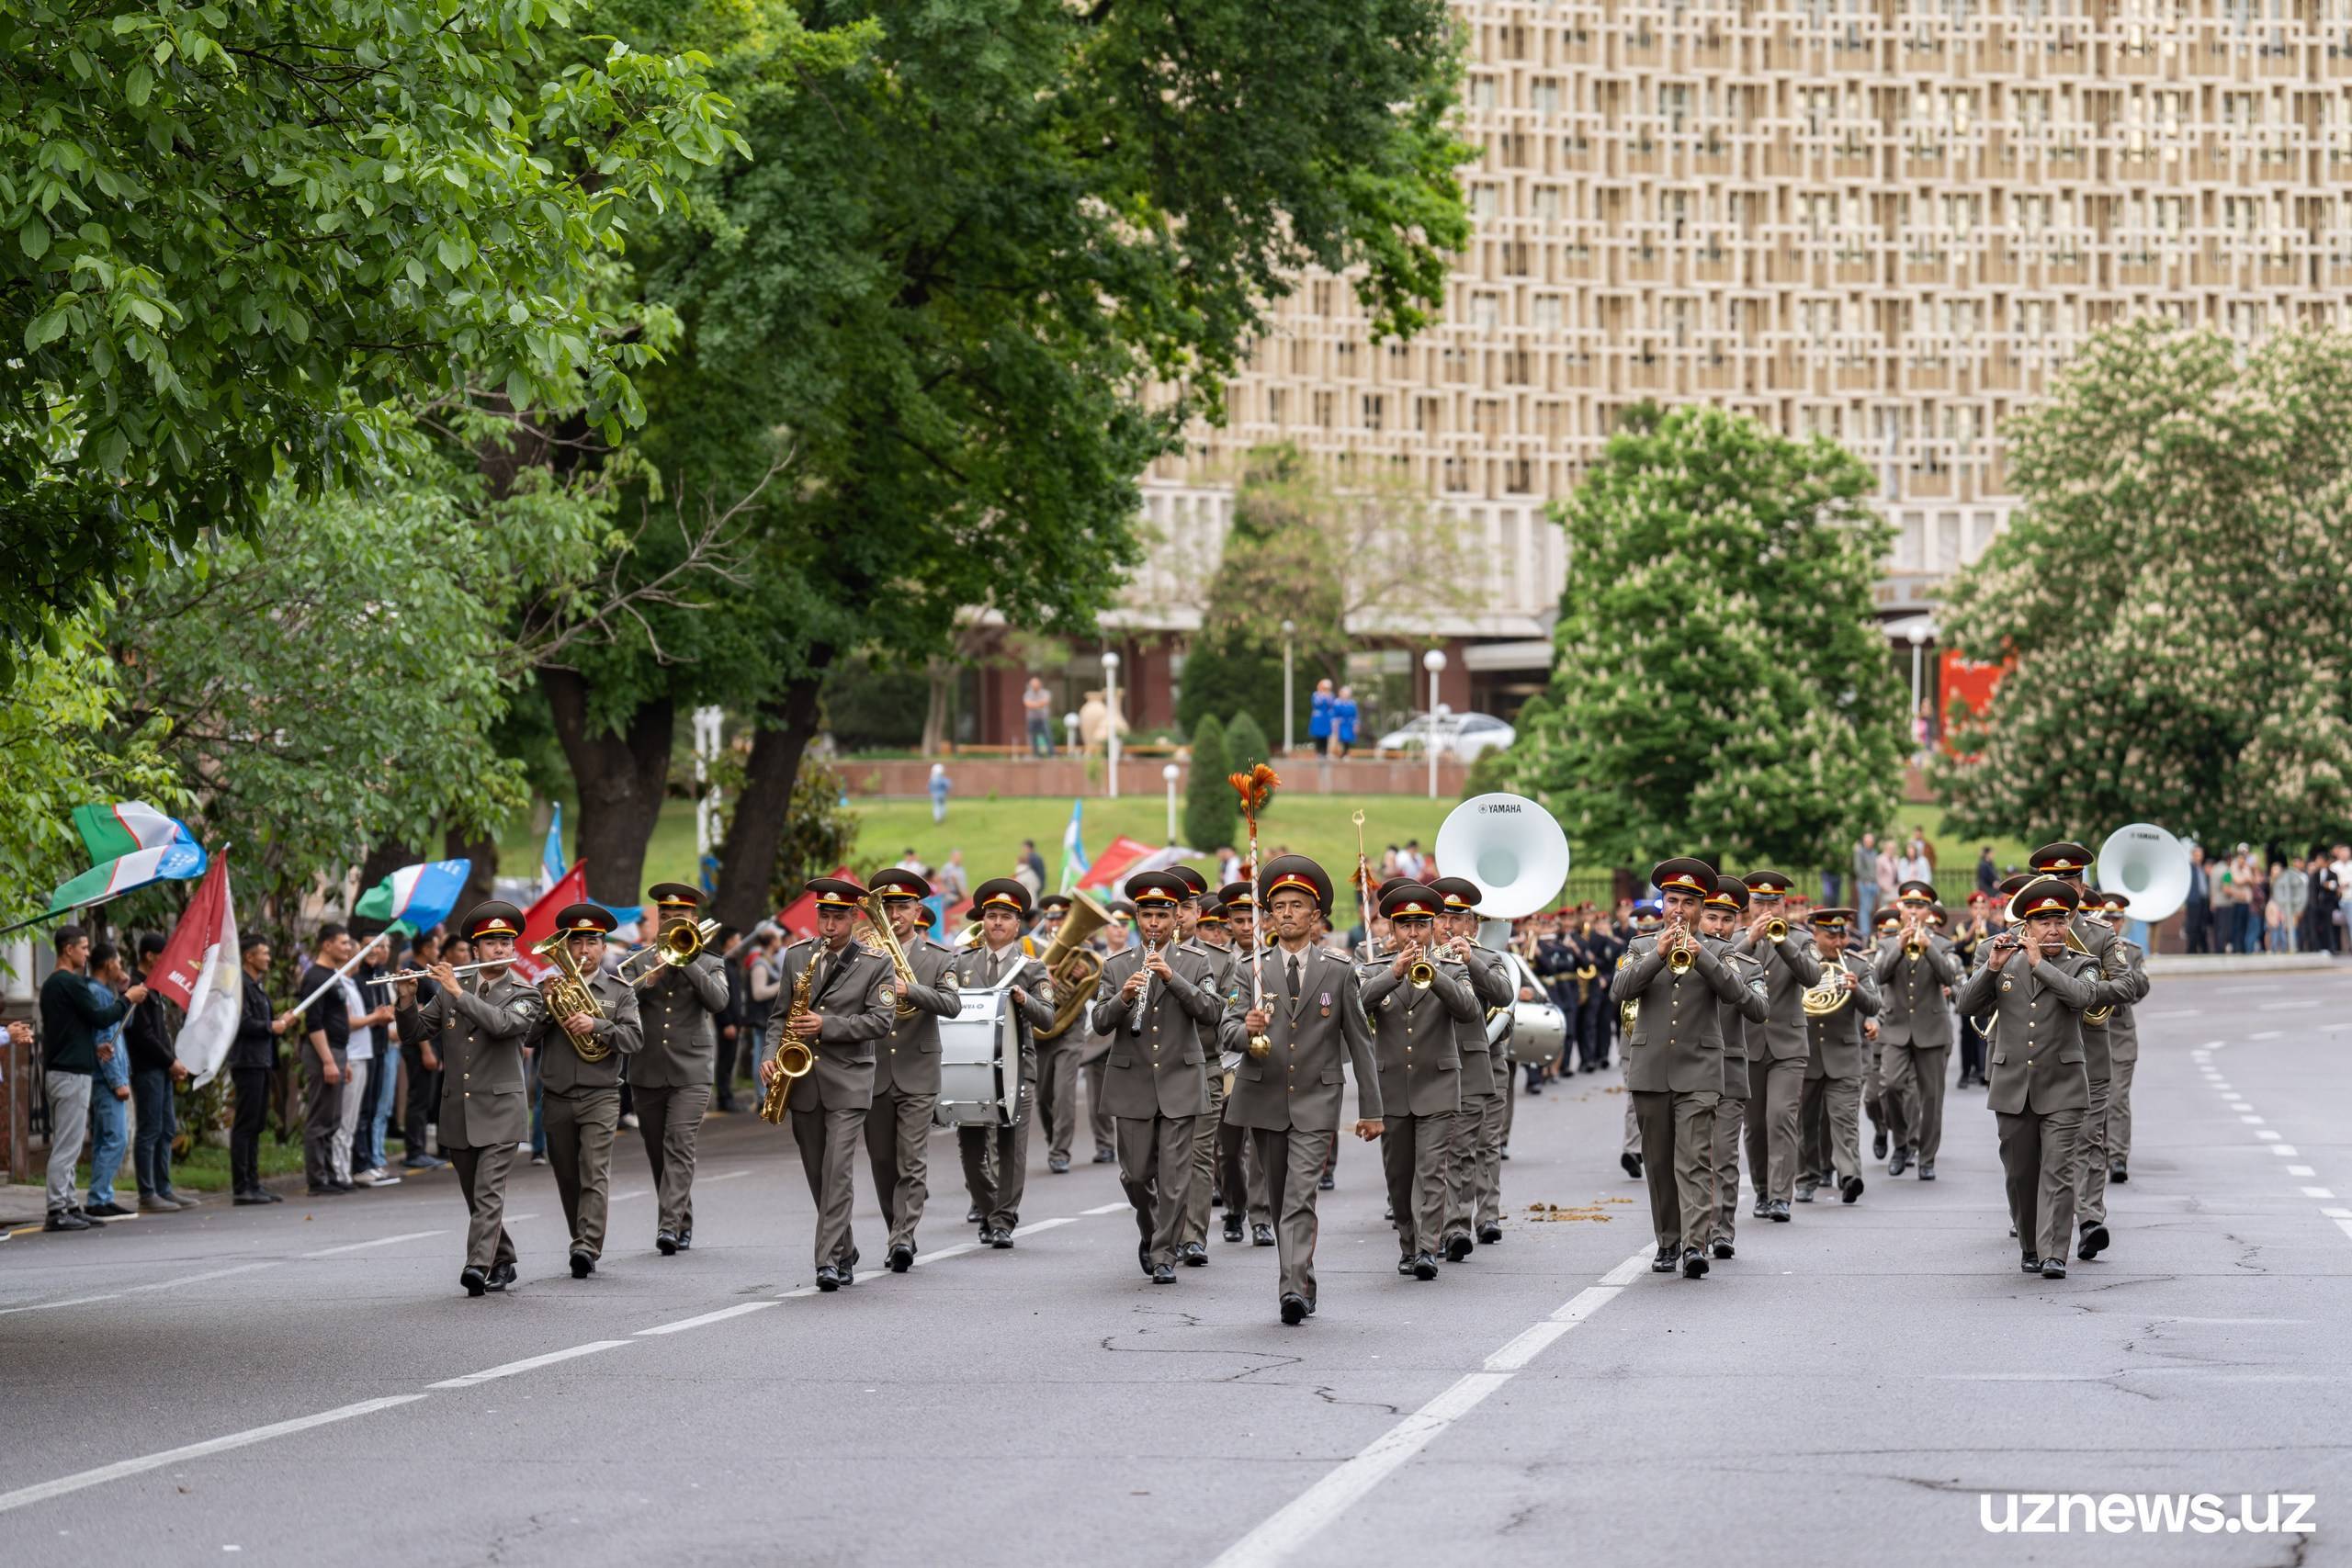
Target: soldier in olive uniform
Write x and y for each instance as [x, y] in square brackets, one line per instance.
[1156, 1003]
[1289, 1095]
[1778, 1051]
[581, 1097]
[1474, 1147]
[1915, 1029]
[1417, 1035]
[1873, 1045]
[1192, 1234]
[2036, 991]
[1719, 919]
[669, 1079]
[1240, 1177]
[1057, 1054]
[1674, 1061]
[1095, 1050]
[1649, 916]
[1833, 1076]
[852, 1002]
[906, 1067]
[2122, 1049]
[484, 1024]
[997, 961]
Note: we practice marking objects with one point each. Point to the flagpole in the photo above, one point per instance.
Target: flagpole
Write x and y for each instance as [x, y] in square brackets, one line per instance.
[348, 964]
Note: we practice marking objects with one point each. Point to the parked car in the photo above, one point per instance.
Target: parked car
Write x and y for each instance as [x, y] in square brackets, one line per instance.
[1467, 736]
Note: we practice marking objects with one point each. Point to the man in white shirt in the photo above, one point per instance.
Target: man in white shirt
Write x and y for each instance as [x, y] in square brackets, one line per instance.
[360, 1059]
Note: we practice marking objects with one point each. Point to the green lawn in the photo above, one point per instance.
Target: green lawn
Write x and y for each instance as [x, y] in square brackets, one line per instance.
[989, 832]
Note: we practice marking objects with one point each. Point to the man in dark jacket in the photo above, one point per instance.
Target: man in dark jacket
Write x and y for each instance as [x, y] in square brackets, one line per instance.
[253, 1056]
[155, 1069]
[70, 1017]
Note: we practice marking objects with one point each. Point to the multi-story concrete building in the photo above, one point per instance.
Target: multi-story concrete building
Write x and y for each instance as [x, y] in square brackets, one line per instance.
[1882, 219]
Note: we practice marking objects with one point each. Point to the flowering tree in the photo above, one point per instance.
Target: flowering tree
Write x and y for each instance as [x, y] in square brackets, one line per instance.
[1720, 687]
[2172, 598]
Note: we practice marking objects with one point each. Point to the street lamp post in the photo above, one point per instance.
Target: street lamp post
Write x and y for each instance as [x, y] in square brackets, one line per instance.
[1433, 662]
[1919, 634]
[1070, 729]
[1170, 774]
[1111, 700]
[1290, 629]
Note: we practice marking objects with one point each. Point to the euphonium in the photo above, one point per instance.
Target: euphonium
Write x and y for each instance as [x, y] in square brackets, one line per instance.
[567, 995]
[795, 1057]
[886, 941]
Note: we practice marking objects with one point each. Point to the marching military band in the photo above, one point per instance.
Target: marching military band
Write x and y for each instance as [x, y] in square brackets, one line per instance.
[1217, 1038]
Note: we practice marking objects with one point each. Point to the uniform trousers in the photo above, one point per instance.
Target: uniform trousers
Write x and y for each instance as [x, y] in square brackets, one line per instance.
[1678, 1162]
[1874, 1087]
[1239, 1180]
[897, 1140]
[1201, 1178]
[482, 1177]
[828, 1140]
[1832, 1113]
[1971, 1053]
[2038, 1155]
[670, 1120]
[1474, 1152]
[1730, 1111]
[1775, 1093]
[1291, 1160]
[996, 1184]
[1098, 1115]
[579, 1126]
[1157, 1172]
[1915, 1097]
[2090, 1168]
[1414, 1153]
[2118, 1113]
[1058, 1094]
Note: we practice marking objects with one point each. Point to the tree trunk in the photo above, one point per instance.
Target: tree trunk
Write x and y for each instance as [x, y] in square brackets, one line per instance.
[620, 778]
[935, 717]
[755, 827]
[482, 855]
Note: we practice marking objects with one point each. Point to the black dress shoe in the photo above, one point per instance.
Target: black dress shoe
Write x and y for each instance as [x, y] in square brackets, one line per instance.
[1163, 1275]
[829, 1279]
[1664, 1262]
[1261, 1235]
[2032, 1264]
[1694, 1263]
[582, 1263]
[475, 1281]
[273, 1197]
[1325, 1183]
[1878, 1144]
[1388, 1214]
[685, 1237]
[2094, 1241]
[1216, 1197]
[1457, 1249]
[1105, 1154]
[1849, 1189]
[2053, 1267]
[246, 1199]
[665, 1244]
[1058, 1164]
[1805, 1191]
[327, 1190]
[1142, 1257]
[2115, 1171]
[1926, 1170]
[1233, 1225]
[1424, 1266]
[67, 1220]
[106, 1211]
[1405, 1266]
[1723, 1249]
[500, 1276]
[1632, 1164]
[974, 1217]
[902, 1257]
[1897, 1161]
[1294, 1310]
[1002, 1240]
[1763, 1209]
[1779, 1211]
[849, 1271]
[1489, 1233]
[1197, 1255]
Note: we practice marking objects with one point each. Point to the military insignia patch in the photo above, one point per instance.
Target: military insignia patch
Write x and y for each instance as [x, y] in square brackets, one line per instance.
[1759, 987]
[889, 997]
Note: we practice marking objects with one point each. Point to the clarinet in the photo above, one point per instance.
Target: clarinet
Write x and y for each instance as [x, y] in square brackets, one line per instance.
[1142, 1004]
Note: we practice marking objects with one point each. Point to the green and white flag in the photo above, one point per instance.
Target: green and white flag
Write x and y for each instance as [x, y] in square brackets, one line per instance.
[131, 844]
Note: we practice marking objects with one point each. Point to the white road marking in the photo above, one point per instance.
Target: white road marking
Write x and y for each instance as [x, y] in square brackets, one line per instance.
[528, 1363]
[2317, 1192]
[122, 1468]
[2252, 1120]
[2344, 1226]
[2269, 1136]
[2174, 1012]
[632, 1192]
[2301, 1170]
[53, 1306]
[152, 1285]
[381, 1241]
[2288, 1007]
[957, 1250]
[721, 1316]
[1625, 1273]
[2286, 1149]
[2266, 1035]
[1035, 1226]
[1301, 1519]
[1105, 1208]
[726, 1175]
[2337, 1213]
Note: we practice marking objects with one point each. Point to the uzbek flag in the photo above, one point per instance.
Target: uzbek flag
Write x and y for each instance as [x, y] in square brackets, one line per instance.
[197, 969]
[1074, 862]
[416, 896]
[551, 867]
[131, 844]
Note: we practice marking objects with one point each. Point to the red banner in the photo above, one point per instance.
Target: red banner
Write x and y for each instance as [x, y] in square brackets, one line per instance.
[1969, 683]
[539, 921]
[177, 968]
[799, 917]
[1110, 867]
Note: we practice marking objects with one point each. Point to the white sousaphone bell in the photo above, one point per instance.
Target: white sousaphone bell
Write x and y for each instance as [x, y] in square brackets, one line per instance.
[2148, 864]
[1517, 854]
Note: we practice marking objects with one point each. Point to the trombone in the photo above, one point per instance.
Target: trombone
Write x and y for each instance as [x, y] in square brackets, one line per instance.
[675, 948]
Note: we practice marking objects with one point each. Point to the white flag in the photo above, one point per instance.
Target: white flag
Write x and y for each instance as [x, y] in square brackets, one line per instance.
[198, 969]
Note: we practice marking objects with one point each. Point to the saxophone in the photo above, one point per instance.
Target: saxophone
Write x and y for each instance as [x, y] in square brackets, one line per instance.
[795, 1057]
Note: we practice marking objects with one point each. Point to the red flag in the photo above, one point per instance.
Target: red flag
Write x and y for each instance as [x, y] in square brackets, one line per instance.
[197, 969]
[799, 917]
[539, 921]
[177, 968]
[1110, 867]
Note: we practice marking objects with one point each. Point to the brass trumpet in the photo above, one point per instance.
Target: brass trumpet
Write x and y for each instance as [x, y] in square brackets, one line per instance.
[1776, 929]
[1422, 973]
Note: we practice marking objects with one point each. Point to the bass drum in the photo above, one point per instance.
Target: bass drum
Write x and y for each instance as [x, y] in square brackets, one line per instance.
[979, 1064]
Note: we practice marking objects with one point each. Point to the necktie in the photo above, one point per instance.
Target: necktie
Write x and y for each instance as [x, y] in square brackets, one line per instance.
[1294, 983]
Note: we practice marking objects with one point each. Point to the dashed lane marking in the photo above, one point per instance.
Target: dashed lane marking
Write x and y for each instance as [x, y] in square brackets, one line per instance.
[529, 1363]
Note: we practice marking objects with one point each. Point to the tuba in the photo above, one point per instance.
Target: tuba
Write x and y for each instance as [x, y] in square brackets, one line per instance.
[567, 995]
[1077, 973]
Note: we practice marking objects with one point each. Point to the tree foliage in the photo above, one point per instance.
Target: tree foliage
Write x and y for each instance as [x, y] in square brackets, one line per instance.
[230, 233]
[1246, 744]
[1209, 800]
[1721, 687]
[2171, 599]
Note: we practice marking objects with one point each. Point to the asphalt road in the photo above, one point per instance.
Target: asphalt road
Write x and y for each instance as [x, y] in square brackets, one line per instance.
[303, 1383]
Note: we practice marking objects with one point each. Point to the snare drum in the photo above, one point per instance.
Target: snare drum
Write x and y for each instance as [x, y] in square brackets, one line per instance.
[979, 1063]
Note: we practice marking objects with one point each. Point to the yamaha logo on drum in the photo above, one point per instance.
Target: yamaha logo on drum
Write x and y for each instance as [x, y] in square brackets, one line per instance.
[1513, 806]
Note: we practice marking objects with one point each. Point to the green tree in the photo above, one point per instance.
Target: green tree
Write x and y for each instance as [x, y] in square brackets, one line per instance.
[1209, 800]
[232, 235]
[1246, 745]
[1721, 687]
[2170, 599]
[1225, 672]
[990, 258]
[1495, 769]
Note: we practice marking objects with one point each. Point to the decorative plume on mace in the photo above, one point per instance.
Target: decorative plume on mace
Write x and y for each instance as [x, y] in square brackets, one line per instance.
[1256, 786]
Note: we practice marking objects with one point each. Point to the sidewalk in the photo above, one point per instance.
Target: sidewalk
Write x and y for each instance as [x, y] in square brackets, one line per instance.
[2236, 963]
